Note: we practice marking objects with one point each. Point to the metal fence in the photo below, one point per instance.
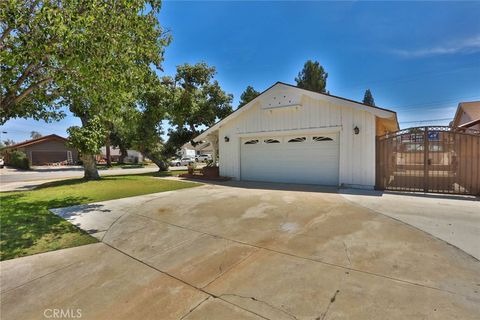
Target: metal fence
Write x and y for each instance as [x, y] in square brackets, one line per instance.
[429, 159]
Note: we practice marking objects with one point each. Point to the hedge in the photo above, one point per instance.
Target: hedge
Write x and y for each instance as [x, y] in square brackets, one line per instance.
[18, 159]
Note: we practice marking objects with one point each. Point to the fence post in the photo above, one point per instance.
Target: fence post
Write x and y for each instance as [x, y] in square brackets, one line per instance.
[425, 160]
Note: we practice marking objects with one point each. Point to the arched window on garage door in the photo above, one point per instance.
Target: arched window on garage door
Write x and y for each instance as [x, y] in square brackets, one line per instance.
[271, 141]
[253, 141]
[318, 139]
[299, 139]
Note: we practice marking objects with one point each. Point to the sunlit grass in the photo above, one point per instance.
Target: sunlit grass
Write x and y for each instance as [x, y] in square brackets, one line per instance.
[28, 227]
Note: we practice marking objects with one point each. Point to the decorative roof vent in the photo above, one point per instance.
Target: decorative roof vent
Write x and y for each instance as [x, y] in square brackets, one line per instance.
[281, 99]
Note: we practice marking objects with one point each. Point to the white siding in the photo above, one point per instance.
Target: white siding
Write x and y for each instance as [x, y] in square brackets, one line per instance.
[357, 152]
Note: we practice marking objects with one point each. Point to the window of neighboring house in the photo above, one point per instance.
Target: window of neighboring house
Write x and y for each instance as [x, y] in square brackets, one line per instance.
[299, 139]
[254, 141]
[271, 141]
[322, 139]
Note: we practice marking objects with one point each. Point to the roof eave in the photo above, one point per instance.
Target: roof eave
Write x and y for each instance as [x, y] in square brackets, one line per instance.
[377, 111]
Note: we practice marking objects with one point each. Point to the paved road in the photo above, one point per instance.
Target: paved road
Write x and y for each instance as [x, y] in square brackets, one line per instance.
[245, 251]
[13, 179]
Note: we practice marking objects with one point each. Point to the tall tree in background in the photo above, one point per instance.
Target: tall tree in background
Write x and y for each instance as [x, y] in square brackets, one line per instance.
[35, 135]
[146, 123]
[8, 142]
[189, 101]
[198, 102]
[248, 95]
[312, 77]
[95, 57]
[368, 98]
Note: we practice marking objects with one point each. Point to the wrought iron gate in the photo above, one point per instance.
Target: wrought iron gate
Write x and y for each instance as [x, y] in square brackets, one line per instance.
[429, 159]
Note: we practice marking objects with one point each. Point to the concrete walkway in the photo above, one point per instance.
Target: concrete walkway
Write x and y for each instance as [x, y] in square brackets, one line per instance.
[245, 251]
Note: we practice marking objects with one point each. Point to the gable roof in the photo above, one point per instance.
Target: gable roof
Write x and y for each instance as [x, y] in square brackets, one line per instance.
[381, 112]
[38, 140]
[471, 109]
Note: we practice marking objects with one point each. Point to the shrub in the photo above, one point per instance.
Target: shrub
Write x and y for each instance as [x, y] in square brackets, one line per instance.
[18, 159]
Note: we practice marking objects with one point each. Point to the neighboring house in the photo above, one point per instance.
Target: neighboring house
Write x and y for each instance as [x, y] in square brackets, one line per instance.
[133, 156]
[467, 115]
[292, 135]
[51, 149]
[188, 150]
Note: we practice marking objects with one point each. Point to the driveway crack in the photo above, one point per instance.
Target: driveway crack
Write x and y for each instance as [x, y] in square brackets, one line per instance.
[332, 301]
[261, 301]
[40, 277]
[194, 308]
[347, 253]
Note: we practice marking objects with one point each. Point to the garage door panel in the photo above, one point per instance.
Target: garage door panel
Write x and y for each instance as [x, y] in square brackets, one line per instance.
[313, 162]
[44, 157]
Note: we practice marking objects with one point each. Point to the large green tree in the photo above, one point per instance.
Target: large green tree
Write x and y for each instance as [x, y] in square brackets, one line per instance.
[189, 102]
[368, 98]
[95, 57]
[312, 77]
[198, 102]
[147, 123]
[198, 98]
[248, 95]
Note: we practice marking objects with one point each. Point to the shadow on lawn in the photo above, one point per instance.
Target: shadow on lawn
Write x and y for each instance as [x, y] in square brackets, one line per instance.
[24, 222]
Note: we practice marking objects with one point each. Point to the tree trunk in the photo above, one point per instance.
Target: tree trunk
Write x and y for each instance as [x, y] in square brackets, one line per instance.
[161, 164]
[90, 171]
[90, 167]
[123, 154]
[107, 152]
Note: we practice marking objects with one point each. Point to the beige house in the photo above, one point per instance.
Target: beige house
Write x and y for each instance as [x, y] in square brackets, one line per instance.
[47, 150]
[467, 116]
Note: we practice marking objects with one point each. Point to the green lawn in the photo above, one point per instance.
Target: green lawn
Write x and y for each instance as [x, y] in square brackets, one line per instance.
[123, 166]
[27, 227]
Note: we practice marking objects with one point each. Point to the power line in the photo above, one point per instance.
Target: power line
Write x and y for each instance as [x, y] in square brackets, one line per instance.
[432, 103]
[410, 77]
[428, 120]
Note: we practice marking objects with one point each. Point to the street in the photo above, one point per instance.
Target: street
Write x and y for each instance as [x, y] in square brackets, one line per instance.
[14, 180]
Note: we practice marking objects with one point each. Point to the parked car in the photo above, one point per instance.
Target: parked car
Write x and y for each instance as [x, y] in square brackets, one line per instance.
[203, 157]
[2, 163]
[181, 162]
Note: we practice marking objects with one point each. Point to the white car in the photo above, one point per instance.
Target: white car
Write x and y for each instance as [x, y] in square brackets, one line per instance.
[181, 162]
[203, 157]
[2, 163]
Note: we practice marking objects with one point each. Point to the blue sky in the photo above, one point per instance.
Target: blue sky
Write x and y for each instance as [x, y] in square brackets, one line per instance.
[418, 58]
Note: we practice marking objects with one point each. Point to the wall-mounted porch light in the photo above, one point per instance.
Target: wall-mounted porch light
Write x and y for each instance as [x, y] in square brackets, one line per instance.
[356, 130]
[226, 139]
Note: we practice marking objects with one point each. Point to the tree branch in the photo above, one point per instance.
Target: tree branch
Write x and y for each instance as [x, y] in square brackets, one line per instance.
[4, 35]
[8, 103]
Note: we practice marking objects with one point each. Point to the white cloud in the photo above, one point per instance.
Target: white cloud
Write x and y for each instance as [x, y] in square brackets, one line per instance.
[468, 45]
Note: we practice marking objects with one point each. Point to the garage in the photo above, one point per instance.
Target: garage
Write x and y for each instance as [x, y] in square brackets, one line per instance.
[47, 156]
[46, 150]
[310, 159]
[293, 135]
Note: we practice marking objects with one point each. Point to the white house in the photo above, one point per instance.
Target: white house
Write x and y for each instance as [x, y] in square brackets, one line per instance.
[133, 156]
[188, 150]
[292, 135]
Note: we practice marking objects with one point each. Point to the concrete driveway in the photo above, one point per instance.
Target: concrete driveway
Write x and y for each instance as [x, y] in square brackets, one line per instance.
[244, 251]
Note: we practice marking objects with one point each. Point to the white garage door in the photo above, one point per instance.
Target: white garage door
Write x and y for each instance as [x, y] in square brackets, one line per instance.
[311, 159]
